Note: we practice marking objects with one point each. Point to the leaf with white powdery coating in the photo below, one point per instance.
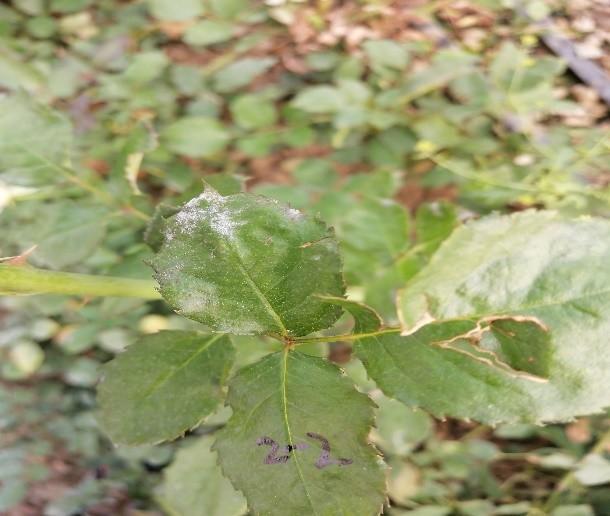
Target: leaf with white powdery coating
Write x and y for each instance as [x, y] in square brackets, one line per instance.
[542, 283]
[292, 451]
[163, 385]
[246, 264]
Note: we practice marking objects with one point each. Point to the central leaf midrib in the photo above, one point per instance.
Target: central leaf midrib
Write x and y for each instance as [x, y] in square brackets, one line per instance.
[284, 381]
[256, 289]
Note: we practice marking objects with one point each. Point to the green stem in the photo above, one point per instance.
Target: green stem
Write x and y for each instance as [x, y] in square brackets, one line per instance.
[23, 279]
[485, 180]
[335, 338]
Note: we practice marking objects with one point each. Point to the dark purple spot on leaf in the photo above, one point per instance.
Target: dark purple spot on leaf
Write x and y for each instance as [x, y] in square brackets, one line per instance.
[272, 457]
[324, 459]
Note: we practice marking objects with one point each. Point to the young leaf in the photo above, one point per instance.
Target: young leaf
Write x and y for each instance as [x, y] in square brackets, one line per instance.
[169, 10]
[399, 429]
[253, 111]
[386, 53]
[319, 99]
[163, 385]
[246, 264]
[196, 137]
[297, 441]
[153, 235]
[366, 319]
[194, 485]
[373, 233]
[209, 32]
[241, 72]
[434, 222]
[523, 273]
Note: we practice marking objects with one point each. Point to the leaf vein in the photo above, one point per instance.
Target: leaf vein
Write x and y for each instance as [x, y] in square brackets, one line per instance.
[172, 372]
[284, 382]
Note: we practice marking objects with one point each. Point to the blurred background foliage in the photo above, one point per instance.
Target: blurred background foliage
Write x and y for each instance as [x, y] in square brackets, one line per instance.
[394, 121]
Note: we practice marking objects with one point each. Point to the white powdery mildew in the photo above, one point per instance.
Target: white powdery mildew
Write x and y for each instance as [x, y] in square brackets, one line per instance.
[293, 214]
[171, 274]
[169, 234]
[240, 327]
[203, 298]
[215, 213]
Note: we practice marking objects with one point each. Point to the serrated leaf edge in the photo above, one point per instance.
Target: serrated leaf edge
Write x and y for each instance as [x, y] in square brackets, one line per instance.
[364, 439]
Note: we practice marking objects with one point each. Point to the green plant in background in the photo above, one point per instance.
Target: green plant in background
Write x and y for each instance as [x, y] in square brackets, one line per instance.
[498, 327]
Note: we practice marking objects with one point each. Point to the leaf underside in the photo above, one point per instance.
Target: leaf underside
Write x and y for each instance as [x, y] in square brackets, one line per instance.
[523, 274]
[300, 404]
[247, 264]
[163, 385]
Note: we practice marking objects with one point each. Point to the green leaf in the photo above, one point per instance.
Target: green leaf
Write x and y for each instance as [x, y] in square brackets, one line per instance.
[64, 233]
[225, 183]
[229, 9]
[170, 10]
[594, 470]
[15, 74]
[276, 409]
[385, 53]
[241, 73]
[34, 142]
[153, 235]
[193, 484]
[434, 222]
[320, 99]
[445, 67]
[573, 510]
[523, 345]
[459, 380]
[515, 275]
[246, 264]
[366, 319]
[373, 232]
[399, 429]
[253, 111]
[258, 144]
[41, 27]
[145, 67]
[69, 6]
[390, 148]
[26, 356]
[163, 385]
[196, 137]
[316, 174]
[209, 32]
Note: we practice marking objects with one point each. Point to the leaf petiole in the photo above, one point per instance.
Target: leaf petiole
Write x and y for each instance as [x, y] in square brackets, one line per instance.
[348, 337]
